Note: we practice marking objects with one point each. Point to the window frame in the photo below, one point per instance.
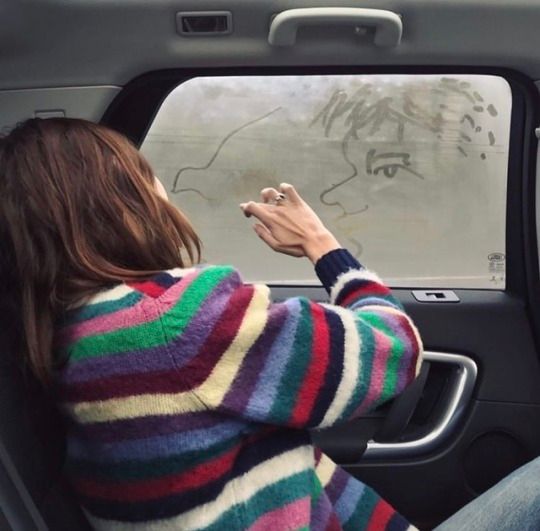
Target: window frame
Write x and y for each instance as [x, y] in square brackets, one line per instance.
[135, 107]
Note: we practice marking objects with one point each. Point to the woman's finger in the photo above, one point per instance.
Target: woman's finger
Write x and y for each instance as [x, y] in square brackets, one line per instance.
[290, 192]
[268, 195]
[256, 209]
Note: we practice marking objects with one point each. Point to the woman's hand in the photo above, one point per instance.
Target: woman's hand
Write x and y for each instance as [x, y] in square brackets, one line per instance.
[288, 224]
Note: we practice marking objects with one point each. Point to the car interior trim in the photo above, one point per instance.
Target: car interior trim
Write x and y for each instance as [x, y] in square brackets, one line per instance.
[459, 397]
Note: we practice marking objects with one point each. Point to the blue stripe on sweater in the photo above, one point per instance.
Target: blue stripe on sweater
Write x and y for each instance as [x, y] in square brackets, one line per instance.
[348, 501]
[263, 398]
[156, 447]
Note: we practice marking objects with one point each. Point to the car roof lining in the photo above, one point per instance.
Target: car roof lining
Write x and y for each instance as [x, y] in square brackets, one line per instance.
[64, 43]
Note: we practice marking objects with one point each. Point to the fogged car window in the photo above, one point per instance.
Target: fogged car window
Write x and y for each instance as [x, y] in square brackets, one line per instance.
[409, 172]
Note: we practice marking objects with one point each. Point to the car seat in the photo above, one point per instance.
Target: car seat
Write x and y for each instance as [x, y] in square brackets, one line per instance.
[33, 495]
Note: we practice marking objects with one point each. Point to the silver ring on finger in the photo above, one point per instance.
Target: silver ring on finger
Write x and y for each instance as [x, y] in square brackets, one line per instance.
[278, 200]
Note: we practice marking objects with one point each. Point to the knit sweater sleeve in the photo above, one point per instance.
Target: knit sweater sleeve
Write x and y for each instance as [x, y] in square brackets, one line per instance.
[296, 363]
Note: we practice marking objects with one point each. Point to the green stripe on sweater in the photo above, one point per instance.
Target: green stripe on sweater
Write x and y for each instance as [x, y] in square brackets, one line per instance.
[392, 364]
[267, 499]
[317, 489]
[362, 514]
[150, 334]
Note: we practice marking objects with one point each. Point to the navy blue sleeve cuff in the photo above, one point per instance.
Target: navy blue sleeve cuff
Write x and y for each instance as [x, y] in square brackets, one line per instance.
[333, 264]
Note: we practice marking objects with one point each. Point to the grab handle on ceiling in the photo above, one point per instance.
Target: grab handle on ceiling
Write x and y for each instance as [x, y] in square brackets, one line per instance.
[387, 24]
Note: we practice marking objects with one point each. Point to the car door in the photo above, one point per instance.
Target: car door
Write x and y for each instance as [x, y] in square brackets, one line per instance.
[409, 125]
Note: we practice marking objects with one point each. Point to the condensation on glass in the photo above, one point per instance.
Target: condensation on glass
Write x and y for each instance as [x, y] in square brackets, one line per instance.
[408, 171]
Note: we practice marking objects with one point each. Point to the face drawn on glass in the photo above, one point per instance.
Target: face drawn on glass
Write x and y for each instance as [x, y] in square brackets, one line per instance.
[450, 116]
[389, 163]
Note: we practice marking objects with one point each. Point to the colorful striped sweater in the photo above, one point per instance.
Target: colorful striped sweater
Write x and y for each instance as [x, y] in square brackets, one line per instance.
[188, 399]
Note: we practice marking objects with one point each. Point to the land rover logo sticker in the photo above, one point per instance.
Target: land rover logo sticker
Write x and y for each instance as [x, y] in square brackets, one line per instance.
[497, 267]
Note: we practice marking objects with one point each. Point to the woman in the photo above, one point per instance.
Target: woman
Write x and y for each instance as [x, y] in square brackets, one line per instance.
[188, 394]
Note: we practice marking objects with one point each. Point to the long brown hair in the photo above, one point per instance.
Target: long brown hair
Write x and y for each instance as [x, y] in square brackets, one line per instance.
[78, 212]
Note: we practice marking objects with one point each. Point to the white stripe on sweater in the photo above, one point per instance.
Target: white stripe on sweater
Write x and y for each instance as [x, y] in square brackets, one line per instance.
[351, 365]
[238, 490]
[180, 272]
[325, 470]
[218, 384]
[352, 274]
[112, 294]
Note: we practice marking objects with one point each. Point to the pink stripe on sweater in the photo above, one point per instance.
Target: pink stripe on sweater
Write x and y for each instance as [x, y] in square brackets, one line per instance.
[291, 516]
[131, 316]
[383, 346]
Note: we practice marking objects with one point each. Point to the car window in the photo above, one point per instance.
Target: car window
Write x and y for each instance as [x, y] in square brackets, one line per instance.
[408, 171]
